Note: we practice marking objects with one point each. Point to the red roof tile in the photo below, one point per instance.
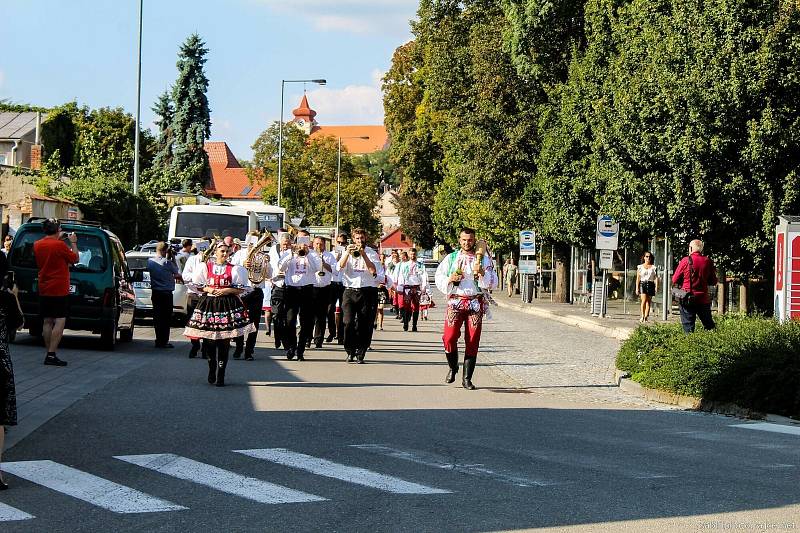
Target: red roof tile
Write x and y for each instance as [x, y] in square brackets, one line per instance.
[228, 178]
[378, 139]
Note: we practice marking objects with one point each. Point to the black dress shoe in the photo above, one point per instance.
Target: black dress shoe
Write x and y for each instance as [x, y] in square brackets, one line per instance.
[414, 328]
[300, 355]
[164, 346]
[329, 338]
[308, 344]
[237, 354]
[54, 361]
[193, 352]
[350, 358]
[248, 357]
[360, 356]
[290, 354]
[318, 345]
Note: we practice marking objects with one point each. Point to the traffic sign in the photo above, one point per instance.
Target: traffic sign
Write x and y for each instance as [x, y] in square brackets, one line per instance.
[527, 266]
[607, 259]
[527, 242]
[607, 237]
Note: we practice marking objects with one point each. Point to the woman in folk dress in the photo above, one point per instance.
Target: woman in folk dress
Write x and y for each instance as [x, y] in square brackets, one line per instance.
[220, 314]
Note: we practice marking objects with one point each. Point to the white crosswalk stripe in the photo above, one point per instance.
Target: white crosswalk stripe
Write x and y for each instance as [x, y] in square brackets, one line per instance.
[88, 487]
[9, 514]
[438, 461]
[219, 479]
[773, 428]
[323, 467]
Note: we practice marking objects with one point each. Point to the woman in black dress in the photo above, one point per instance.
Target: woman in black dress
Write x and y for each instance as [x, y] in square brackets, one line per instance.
[10, 319]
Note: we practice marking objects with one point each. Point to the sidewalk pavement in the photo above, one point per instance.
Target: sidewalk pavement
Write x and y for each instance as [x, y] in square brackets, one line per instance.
[45, 391]
[615, 324]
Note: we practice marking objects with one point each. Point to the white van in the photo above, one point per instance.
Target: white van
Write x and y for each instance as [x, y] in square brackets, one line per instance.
[197, 221]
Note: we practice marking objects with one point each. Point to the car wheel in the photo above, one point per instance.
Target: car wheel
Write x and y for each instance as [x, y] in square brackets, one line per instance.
[108, 337]
[126, 335]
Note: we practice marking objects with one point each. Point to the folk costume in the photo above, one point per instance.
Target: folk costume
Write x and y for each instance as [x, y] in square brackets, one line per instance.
[219, 318]
[467, 303]
[412, 281]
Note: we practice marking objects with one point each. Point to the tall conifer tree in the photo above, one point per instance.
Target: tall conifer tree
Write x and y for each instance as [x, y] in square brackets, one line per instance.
[191, 123]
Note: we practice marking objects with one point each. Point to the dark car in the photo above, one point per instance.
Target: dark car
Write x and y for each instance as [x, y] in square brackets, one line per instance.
[101, 298]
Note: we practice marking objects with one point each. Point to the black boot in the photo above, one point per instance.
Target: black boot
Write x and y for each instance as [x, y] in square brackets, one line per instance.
[195, 348]
[222, 363]
[469, 368]
[237, 352]
[452, 362]
[212, 366]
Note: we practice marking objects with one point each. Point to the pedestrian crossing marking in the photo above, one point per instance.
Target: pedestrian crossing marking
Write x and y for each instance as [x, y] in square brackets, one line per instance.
[774, 428]
[437, 461]
[219, 479]
[88, 487]
[351, 474]
[9, 514]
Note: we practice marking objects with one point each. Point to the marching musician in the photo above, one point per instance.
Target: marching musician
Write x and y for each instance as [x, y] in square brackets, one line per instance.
[253, 300]
[321, 293]
[335, 328]
[464, 276]
[360, 266]
[278, 296]
[300, 268]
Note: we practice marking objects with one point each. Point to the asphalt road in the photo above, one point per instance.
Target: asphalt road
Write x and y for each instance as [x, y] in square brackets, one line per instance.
[324, 445]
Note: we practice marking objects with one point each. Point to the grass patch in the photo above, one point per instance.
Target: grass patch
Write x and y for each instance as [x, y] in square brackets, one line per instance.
[751, 361]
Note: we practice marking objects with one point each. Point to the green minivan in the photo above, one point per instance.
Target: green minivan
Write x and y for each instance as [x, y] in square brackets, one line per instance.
[101, 298]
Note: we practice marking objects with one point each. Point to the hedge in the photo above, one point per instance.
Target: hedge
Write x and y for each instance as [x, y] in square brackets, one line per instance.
[753, 362]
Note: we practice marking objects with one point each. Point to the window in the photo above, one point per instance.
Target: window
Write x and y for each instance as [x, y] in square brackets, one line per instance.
[2, 159]
[92, 255]
[194, 225]
[246, 191]
[402, 236]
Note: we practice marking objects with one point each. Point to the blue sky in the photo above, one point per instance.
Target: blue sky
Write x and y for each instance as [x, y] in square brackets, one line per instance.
[57, 51]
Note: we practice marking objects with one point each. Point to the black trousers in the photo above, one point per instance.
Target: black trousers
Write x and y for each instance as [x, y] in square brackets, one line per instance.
[299, 301]
[690, 314]
[337, 290]
[252, 303]
[279, 310]
[162, 315]
[321, 297]
[359, 307]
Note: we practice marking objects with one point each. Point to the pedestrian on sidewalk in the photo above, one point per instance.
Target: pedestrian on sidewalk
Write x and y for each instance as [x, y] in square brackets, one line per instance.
[54, 257]
[163, 271]
[10, 320]
[510, 277]
[464, 276]
[694, 274]
[646, 284]
[220, 314]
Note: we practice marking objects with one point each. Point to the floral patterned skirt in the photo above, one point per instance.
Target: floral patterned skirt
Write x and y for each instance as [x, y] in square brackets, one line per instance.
[218, 317]
[8, 399]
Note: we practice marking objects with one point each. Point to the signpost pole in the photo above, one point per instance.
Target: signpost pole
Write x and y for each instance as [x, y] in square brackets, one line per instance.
[666, 282]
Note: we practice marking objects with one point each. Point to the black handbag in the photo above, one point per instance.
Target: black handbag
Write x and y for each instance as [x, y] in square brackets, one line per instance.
[685, 298]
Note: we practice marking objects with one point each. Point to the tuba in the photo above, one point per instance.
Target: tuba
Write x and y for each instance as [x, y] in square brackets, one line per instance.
[258, 259]
[208, 253]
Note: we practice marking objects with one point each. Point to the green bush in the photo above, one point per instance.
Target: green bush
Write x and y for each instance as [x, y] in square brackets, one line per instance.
[753, 362]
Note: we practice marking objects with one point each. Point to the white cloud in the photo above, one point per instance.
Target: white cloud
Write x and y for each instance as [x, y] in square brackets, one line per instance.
[353, 104]
[351, 16]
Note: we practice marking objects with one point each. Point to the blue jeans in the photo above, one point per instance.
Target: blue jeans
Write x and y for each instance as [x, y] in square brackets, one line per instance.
[690, 314]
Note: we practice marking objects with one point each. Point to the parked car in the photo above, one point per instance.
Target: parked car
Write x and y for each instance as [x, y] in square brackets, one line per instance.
[101, 298]
[137, 262]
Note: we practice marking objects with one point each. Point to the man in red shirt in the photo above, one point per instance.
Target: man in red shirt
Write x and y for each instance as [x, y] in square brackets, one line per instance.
[702, 275]
[53, 257]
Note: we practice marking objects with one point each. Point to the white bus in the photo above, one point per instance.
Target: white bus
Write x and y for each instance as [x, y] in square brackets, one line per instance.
[197, 221]
[270, 217]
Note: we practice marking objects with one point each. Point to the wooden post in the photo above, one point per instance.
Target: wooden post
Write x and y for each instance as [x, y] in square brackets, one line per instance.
[744, 290]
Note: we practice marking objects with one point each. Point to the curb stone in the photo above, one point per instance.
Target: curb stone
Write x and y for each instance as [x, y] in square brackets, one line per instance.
[693, 403]
[614, 332]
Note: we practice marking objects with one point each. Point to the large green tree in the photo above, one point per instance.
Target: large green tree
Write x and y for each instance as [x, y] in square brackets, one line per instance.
[191, 121]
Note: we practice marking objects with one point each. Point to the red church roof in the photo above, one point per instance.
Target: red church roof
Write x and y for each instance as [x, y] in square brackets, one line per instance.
[229, 179]
[304, 111]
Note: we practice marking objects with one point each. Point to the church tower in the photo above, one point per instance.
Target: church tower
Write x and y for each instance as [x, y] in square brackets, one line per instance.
[304, 116]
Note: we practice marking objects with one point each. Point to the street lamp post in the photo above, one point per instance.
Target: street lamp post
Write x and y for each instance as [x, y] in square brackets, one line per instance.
[280, 130]
[136, 134]
[339, 178]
